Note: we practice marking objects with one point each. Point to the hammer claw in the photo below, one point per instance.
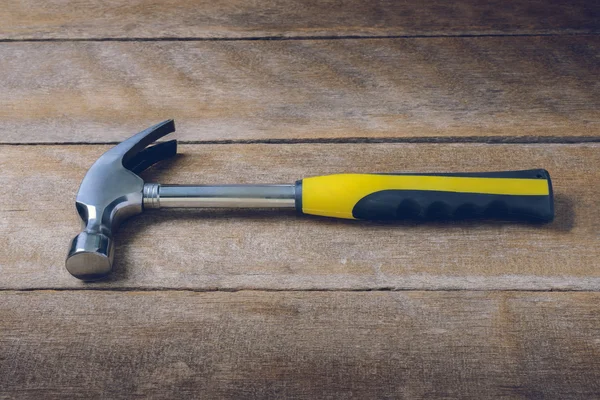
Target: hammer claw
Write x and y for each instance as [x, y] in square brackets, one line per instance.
[130, 148]
[152, 155]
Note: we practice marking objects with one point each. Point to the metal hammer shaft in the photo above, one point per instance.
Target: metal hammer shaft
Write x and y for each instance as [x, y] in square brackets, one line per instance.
[230, 196]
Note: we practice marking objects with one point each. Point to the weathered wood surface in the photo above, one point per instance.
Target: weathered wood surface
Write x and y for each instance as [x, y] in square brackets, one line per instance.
[228, 249]
[80, 19]
[336, 341]
[500, 87]
[417, 345]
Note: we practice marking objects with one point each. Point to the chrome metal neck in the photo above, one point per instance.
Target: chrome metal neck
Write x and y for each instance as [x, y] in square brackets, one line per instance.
[222, 196]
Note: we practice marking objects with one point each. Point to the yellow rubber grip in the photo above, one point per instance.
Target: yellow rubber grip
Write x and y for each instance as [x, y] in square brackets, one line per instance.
[337, 195]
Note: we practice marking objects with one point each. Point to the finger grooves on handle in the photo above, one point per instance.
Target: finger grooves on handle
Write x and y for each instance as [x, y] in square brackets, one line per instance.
[434, 205]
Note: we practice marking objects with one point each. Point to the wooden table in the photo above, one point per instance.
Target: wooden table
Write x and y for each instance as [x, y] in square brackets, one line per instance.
[263, 304]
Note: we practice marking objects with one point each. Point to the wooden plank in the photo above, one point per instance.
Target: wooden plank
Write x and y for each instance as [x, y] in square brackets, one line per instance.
[68, 19]
[228, 249]
[259, 90]
[57, 345]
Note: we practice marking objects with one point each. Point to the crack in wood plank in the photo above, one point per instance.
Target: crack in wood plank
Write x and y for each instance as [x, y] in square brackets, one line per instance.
[284, 38]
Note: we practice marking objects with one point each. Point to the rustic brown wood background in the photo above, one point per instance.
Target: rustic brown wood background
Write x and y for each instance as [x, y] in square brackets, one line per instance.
[267, 304]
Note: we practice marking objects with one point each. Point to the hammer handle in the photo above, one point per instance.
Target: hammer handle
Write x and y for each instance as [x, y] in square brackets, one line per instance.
[514, 195]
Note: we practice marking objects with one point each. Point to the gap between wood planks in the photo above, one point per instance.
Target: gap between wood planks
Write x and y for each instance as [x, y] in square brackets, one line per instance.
[289, 38]
[267, 290]
[365, 140]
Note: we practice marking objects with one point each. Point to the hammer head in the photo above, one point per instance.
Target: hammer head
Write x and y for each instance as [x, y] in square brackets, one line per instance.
[111, 192]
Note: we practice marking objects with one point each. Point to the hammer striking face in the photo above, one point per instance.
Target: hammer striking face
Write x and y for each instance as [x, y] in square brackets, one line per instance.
[112, 191]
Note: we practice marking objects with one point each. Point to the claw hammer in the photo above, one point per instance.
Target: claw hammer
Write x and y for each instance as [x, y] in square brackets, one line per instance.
[112, 191]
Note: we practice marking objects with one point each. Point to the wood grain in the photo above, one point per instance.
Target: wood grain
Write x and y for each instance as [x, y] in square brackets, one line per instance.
[402, 88]
[69, 19]
[232, 250]
[417, 345]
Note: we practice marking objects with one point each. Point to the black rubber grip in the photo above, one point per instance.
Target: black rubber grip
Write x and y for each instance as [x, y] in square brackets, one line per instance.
[444, 205]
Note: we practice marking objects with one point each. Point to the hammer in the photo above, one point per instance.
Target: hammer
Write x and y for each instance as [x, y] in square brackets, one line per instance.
[112, 191]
